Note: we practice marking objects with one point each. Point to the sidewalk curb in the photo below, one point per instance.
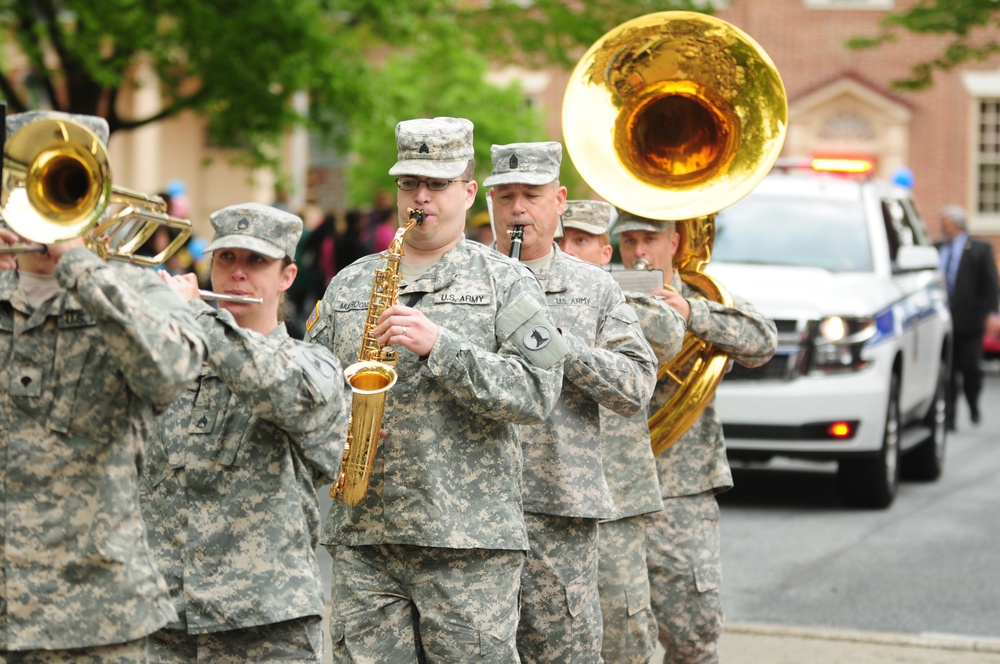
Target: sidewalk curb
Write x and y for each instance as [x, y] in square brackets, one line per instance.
[926, 641]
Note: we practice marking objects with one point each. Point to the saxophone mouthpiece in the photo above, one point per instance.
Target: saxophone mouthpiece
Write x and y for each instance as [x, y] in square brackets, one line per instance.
[415, 215]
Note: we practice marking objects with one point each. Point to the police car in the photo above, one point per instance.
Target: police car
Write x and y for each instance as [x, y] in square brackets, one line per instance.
[845, 268]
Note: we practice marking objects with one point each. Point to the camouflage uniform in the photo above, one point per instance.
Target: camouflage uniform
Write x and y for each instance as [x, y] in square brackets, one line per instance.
[631, 471]
[444, 503]
[81, 376]
[683, 555]
[228, 486]
[623, 584]
[565, 489]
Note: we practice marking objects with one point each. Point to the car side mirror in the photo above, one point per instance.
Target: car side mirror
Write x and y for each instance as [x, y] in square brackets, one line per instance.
[914, 257]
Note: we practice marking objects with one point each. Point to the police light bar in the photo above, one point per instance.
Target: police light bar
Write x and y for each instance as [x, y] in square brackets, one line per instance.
[842, 165]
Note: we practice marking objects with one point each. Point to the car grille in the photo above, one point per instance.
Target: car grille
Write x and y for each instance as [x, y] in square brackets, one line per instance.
[788, 361]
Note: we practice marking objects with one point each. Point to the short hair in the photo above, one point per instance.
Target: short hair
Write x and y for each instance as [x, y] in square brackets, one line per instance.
[956, 213]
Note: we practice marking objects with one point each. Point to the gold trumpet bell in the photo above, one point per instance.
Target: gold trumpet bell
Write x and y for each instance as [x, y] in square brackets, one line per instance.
[673, 115]
[57, 181]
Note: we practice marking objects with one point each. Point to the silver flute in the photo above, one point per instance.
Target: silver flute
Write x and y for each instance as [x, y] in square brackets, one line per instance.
[222, 297]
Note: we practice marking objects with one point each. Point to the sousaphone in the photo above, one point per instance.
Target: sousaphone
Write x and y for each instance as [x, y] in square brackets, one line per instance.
[674, 116]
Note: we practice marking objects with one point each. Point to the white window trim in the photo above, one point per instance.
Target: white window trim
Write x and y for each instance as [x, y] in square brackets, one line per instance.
[980, 85]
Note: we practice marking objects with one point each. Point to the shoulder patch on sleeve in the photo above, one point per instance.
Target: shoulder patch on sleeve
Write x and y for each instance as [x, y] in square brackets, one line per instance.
[525, 325]
[313, 317]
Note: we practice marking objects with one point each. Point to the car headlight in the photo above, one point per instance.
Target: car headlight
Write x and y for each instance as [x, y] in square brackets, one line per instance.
[838, 343]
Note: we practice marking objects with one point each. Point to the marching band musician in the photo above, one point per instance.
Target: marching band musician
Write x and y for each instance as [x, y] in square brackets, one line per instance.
[684, 547]
[426, 567]
[629, 466]
[228, 491]
[609, 364]
[88, 351]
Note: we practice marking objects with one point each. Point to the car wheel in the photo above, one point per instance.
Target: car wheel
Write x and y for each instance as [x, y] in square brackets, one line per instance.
[872, 482]
[925, 462]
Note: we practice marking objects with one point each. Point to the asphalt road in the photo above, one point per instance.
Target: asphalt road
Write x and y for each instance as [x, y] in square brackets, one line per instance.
[809, 580]
[928, 565]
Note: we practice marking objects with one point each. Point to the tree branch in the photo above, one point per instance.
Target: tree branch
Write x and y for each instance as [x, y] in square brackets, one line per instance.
[16, 103]
[170, 110]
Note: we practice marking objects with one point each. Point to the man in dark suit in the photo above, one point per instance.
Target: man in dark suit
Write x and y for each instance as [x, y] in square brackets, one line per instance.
[971, 273]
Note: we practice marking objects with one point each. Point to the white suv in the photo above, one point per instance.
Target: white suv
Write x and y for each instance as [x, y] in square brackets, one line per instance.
[846, 270]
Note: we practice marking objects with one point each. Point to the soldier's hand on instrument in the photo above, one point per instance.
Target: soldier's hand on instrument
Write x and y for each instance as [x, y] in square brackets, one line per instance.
[407, 327]
[185, 285]
[8, 261]
[677, 301]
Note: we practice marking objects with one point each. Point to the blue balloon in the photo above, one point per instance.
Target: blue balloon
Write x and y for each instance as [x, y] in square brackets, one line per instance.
[176, 188]
[196, 247]
[903, 177]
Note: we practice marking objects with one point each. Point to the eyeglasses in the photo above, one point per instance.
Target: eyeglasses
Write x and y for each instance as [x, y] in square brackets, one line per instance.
[434, 184]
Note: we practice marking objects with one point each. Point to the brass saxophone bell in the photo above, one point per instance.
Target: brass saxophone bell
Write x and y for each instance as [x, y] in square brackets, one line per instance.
[371, 378]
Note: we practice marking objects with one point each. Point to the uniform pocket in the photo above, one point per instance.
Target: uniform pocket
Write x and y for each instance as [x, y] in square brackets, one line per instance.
[580, 593]
[337, 633]
[637, 596]
[100, 398]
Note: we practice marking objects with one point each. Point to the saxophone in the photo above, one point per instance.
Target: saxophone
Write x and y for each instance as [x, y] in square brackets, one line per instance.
[371, 377]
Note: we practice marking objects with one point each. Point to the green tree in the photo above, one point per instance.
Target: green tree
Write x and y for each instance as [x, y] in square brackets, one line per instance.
[432, 81]
[238, 63]
[969, 26]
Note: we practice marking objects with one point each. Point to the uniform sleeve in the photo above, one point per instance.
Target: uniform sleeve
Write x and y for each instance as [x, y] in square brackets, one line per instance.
[150, 333]
[661, 324]
[522, 381]
[746, 335]
[293, 384]
[619, 370]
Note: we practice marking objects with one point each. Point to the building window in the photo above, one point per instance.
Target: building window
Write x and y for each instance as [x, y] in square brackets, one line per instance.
[849, 4]
[988, 157]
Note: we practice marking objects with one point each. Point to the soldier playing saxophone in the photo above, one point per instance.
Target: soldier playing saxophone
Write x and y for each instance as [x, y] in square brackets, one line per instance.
[478, 355]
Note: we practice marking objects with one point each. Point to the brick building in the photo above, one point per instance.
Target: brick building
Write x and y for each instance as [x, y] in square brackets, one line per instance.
[842, 100]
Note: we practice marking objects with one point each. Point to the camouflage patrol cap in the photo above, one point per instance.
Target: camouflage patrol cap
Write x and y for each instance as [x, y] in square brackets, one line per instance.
[438, 148]
[633, 222]
[592, 217]
[525, 163]
[94, 123]
[262, 229]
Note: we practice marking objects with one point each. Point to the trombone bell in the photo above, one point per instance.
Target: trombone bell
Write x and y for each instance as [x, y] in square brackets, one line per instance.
[57, 181]
[57, 186]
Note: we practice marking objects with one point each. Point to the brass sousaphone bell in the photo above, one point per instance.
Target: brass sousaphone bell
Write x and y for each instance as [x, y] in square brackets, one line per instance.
[673, 116]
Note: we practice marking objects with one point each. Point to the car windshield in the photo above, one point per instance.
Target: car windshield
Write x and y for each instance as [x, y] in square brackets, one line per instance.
[828, 234]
